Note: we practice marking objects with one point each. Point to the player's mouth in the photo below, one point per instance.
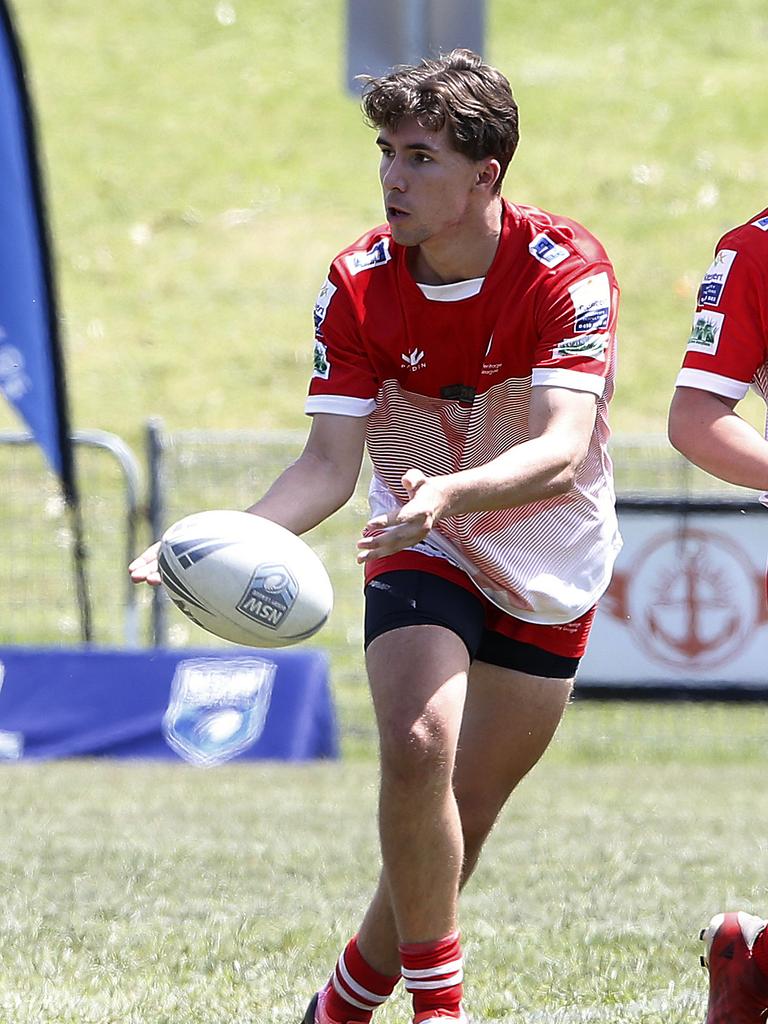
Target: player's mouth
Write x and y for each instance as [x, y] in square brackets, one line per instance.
[396, 213]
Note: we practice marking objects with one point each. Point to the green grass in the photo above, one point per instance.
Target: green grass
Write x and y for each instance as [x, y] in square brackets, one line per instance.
[201, 176]
[157, 894]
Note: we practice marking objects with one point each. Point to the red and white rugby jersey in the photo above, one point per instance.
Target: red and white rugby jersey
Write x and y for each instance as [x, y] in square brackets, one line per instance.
[445, 375]
[728, 347]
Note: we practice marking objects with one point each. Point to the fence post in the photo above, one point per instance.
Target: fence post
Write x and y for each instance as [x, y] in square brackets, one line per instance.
[155, 448]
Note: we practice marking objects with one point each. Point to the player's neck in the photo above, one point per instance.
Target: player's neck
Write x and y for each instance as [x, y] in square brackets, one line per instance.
[465, 254]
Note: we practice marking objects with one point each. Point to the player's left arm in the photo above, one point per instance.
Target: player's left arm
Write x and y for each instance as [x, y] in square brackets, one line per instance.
[561, 422]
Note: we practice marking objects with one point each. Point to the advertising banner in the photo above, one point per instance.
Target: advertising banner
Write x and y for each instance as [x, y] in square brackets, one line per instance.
[687, 604]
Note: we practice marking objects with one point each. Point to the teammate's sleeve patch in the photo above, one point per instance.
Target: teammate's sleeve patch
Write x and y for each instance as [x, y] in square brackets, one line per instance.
[324, 297]
[321, 366]
[713, 282]
[705, 334]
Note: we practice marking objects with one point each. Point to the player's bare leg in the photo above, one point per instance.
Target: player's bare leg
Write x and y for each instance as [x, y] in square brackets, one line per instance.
[509, 720]
[418, 679]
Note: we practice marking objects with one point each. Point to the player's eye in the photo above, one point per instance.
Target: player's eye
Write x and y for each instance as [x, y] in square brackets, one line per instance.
[422, 158]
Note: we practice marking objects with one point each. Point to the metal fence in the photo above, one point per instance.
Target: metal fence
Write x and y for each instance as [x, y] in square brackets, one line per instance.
[38, 599]
[192, 470]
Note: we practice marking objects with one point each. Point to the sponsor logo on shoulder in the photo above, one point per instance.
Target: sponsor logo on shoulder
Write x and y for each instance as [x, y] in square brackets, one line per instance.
[377, 256]
[543, 249]
[588, 346]
[321, 366]
[323, 302]
[761, 222]
[591, 299]
[705, 335]
[713, 282]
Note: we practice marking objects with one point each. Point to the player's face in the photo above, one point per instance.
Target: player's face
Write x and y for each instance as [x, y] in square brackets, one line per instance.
[427, 184]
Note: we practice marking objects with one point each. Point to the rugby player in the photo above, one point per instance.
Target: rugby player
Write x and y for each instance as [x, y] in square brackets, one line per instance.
[727, 354]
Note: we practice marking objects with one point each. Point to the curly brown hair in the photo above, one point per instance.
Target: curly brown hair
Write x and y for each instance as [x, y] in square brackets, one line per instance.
[458, 90]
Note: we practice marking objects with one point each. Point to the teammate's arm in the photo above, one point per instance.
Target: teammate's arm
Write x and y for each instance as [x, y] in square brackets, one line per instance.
[560, 425]
[704, 427]
[312, 488]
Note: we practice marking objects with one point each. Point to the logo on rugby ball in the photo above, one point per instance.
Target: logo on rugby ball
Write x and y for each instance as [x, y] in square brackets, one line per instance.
[271, 594]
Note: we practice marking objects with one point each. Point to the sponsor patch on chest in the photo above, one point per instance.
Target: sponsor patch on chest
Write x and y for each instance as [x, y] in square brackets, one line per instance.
[376, 256]
[543, 249]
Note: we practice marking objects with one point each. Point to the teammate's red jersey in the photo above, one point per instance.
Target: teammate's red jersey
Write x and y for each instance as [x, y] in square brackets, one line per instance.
[728, 347]
[445, 375]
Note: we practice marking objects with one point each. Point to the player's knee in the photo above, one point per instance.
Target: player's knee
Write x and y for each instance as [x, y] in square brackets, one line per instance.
[416, 752]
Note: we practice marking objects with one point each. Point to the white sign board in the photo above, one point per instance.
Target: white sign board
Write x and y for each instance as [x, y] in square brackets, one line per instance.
[687, 604]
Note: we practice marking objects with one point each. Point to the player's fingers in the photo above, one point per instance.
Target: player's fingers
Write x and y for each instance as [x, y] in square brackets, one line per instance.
[412, 480]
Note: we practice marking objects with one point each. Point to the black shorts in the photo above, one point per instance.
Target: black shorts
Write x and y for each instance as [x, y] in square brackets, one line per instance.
[408, 597]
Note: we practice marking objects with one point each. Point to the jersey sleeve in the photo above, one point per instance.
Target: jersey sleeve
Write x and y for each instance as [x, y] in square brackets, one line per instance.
[342, 381]
[727, 344]
[576, 329]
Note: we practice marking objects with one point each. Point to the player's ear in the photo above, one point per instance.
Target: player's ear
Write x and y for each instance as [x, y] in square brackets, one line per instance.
[488, 173]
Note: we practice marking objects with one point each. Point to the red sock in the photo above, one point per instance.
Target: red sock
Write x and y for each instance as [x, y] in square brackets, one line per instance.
[433, 973]
[355, 989]
[760, 952]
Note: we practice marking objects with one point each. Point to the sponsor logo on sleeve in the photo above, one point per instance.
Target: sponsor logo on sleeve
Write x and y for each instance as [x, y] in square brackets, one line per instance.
[761, 222]
[591, 299]
[705, 335]
[713, 282]
[321, 367]
[323, 302]
[543, 249]
[587, 346]
[378, 255]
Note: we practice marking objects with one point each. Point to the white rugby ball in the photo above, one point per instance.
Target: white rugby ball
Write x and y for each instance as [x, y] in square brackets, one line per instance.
[244, 578]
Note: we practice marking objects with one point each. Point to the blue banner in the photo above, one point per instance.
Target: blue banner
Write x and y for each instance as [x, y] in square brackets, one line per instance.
[31, 374]
[205, 707]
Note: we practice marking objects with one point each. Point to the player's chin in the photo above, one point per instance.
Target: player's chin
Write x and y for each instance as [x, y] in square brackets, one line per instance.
[405, 233]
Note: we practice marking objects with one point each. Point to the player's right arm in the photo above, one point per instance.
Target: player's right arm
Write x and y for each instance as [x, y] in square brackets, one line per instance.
[726, 350]
[323, 477]
[307, 492]
[704, 427]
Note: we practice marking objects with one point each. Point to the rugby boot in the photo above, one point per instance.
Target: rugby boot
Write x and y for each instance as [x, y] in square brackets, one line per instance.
[316, 1014]
[440, 1017]
[738, 990]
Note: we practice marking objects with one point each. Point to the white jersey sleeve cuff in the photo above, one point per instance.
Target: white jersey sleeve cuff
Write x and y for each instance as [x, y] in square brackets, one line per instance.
[574, 380]
[704, 380]
[340, 405]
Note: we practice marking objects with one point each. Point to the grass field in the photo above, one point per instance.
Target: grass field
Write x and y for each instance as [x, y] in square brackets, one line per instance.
[203, 166]
[155, 894]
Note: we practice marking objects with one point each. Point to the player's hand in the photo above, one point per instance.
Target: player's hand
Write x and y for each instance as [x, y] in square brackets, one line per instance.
[144, 568]
[400, 529]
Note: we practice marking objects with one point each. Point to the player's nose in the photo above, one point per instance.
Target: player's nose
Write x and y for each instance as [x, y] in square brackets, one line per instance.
[393, 177]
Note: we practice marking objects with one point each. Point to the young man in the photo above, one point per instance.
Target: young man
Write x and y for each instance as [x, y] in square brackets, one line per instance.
[727, 352]
[469, 342]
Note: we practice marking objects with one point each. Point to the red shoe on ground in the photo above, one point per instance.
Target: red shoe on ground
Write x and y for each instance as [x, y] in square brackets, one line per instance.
[738, 990]
[438, 1017]
[316, 1014]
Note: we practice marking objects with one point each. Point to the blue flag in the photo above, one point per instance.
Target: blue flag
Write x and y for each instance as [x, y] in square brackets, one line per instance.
[31, 372]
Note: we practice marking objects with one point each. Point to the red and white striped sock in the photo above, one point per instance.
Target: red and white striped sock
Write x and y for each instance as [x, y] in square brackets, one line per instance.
[355, 989]
[433, 973]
